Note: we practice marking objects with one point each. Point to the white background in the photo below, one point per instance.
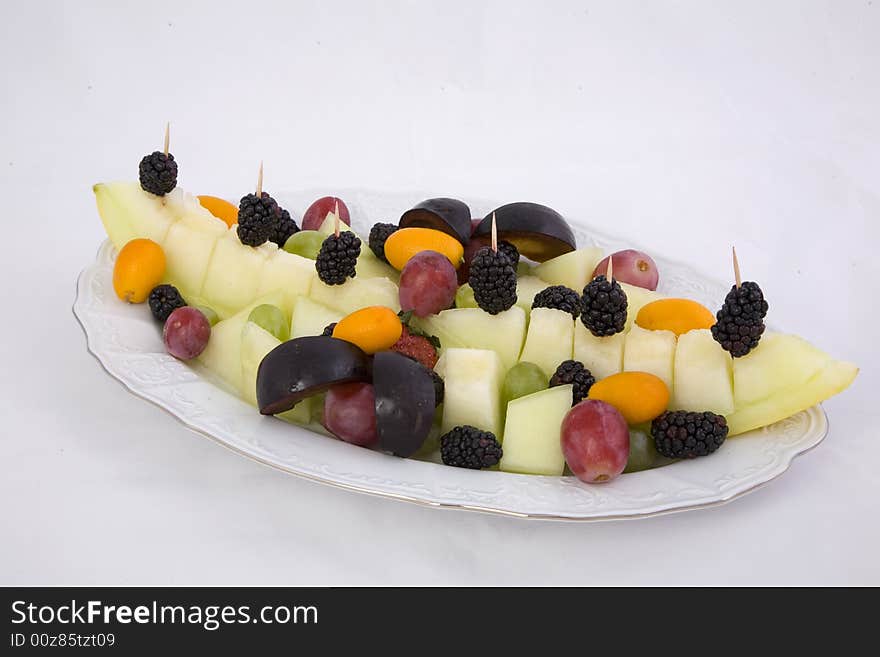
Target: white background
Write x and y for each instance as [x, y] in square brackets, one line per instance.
[684, 126]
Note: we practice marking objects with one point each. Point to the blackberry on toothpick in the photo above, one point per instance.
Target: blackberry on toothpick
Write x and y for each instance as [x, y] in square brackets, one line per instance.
[337, 259]
[493, 277]
[604, 304]
[258, 215]
[158, 170]
[740, 322]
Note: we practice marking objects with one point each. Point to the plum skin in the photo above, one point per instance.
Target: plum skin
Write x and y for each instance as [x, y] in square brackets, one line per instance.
[595, 441]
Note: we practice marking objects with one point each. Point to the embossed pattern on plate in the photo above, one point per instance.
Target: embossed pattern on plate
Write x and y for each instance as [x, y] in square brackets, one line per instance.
[127, 342]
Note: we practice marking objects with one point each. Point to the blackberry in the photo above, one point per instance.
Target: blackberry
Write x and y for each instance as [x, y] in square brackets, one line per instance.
[337, 258]
[285, 227]
[439, 388]
[164, 300]
[257, 219]
[493, 279]
[560, 298]
[328, 330]
[603, 307]
[574, 372]
[378, 234]
[687, 435]
[510, 251]
[741, 319]
[158, 173]
[469, 447]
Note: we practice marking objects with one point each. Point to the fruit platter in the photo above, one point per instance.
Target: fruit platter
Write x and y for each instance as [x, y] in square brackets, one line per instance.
[453, 352]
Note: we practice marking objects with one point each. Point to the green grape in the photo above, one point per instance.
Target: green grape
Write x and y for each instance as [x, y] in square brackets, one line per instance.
[209, 313]
[270, 318]
[305, 243]
[523, 379]
[464, 298]
[642, 453]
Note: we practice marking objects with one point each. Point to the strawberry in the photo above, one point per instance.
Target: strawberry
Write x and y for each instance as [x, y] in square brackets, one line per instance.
[417, 347]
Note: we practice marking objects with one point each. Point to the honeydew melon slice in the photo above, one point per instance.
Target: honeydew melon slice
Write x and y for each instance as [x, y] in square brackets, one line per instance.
[779, 362]
[636, 297]
[532, 432]
[369, 266]
[222, 356]
[573, 269]
[702, 374]
[526, 289]
[256, 342]
[602, 356]
[549, 339]
[128, 212]
[472, 394]
[310, 317]
[356, 293]
[288, 272]
[650, 351]
[188, 248]
[835, 377]
[476, 329]
[328, 227]
[233, 275]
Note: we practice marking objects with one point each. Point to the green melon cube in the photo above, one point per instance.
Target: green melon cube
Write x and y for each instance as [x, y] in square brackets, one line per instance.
[356, 293]
[290, 273]
[549, 340]
[233, 276]
[526, 289]
[222, 355]
[702, 374]
[532, 434]
[573, 269]
[310, 317]
[189, 246]
[603, 356]
[650, 351]
[256, 342]
[476, 329]
[473, 379]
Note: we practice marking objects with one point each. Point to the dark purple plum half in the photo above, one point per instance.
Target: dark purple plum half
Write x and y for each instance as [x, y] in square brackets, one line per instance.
[305, 366]
[447, 214]
[539, 232]
[405, 401]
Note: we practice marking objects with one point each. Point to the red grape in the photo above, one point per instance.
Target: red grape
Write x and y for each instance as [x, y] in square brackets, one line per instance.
[186, 333]
[474, 224]
[317, 212]
[595, 441]
[427, 284]
[633, 267]
[350, 413]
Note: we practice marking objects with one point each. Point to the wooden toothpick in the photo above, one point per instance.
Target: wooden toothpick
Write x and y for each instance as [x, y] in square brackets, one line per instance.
[494, 234]
[260, 181]
[336, 215]
[608, 273]
[167, 136]
[736, 275]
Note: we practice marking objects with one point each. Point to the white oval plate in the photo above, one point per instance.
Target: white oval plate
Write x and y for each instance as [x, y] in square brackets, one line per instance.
[127, 342]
